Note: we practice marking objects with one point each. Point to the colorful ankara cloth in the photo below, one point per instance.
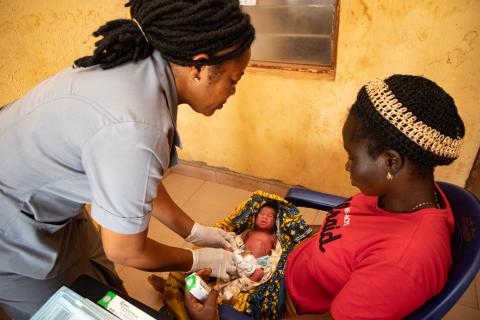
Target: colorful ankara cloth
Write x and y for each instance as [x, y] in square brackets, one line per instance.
[265, 301]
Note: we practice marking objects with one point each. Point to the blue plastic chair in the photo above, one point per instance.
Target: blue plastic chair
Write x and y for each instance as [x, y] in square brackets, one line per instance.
[465, 243]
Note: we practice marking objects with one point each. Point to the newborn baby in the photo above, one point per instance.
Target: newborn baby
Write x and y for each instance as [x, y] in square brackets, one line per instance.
[254, 257]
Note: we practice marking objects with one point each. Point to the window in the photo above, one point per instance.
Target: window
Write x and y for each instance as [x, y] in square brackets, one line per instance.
[294, 34]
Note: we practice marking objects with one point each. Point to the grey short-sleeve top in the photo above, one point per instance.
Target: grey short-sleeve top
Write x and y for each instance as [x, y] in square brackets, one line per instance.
[88, 135]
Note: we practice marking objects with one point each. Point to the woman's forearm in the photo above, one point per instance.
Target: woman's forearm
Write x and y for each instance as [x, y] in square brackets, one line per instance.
[139, 251]
[170, 214]
[157, 257]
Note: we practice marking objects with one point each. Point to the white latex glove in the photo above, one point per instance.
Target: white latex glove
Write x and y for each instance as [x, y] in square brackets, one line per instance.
[209, 237]
[231, 238]
[220, 261]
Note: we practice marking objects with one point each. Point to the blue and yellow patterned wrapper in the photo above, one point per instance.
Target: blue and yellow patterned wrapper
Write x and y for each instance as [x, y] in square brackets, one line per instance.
[265, 301]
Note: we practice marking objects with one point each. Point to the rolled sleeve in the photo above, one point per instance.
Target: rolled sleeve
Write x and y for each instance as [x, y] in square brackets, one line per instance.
[124, 163]
[119, 224]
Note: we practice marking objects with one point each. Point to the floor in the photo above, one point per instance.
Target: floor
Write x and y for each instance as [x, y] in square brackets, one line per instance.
[207, 202]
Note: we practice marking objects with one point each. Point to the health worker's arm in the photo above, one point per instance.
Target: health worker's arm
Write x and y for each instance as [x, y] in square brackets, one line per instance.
[139, 251]
[170, 214]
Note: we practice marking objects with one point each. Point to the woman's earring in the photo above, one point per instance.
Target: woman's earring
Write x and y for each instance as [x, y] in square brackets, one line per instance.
[389, 176]
[196, 79]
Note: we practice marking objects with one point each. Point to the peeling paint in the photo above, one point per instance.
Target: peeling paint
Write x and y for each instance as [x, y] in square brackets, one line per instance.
[459, 55]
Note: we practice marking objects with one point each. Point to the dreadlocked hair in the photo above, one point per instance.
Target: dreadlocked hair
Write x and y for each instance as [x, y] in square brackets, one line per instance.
[179, 29]
[427, 101]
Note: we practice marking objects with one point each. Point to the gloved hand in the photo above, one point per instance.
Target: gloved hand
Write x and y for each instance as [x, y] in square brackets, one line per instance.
[220, 261]
[203, 236]
[231, 240]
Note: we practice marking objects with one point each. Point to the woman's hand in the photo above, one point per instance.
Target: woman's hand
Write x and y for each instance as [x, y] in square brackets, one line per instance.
[220, 261]
[207, 310]
[203, 236]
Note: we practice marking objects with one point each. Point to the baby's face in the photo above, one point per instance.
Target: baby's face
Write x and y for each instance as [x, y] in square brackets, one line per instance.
[265, 219]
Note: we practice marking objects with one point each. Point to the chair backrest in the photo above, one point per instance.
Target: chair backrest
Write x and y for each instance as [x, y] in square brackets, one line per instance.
[465, 253]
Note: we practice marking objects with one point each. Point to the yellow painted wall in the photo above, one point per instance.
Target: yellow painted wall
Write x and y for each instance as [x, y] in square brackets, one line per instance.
[279, 125]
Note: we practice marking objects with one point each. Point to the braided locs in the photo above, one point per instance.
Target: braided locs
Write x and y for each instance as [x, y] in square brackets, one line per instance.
[179, 29]
[424, 99]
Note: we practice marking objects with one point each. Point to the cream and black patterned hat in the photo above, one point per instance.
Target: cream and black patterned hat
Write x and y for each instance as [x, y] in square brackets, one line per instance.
[412, 115]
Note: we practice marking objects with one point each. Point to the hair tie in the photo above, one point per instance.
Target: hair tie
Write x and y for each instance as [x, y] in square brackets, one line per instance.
[140, 28]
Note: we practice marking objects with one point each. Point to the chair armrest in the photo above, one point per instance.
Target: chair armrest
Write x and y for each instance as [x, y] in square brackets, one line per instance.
[313, 199]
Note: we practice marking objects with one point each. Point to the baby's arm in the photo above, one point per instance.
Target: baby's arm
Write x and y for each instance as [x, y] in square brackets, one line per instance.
[257, 275]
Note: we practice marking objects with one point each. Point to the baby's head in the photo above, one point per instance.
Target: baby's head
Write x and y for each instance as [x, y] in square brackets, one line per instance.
[397, 120]
[266, 217]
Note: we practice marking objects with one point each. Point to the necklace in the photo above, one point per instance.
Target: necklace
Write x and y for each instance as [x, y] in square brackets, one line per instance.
[421, 204]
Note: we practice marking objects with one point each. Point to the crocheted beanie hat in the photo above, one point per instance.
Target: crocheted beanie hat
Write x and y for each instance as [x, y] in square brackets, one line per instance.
[413, 115]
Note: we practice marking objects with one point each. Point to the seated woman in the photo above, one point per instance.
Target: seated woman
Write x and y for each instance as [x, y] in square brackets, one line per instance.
[386, 251]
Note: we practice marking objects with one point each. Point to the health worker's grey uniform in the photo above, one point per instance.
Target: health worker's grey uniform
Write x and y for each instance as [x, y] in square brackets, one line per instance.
[85, 135]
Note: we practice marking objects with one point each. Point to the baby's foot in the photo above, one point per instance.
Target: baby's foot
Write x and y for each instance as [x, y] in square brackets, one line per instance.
[158, 283]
